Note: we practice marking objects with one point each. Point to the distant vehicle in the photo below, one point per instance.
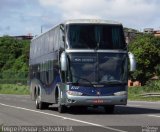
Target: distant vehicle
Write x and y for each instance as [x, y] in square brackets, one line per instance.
[80, 63]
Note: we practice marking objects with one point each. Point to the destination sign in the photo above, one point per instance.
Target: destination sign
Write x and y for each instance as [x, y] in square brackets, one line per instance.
[78, 59]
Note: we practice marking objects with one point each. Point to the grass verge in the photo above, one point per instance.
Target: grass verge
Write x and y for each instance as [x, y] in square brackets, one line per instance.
[14, 89]
[134, 93]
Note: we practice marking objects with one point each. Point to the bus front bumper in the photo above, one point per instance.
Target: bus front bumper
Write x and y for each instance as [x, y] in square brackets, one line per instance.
[95, 100]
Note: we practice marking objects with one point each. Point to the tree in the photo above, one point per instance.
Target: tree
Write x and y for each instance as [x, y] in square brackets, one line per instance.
[14, 55]
[146, 49]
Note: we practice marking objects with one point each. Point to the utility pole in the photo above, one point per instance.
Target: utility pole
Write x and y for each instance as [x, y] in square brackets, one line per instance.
[41, 29]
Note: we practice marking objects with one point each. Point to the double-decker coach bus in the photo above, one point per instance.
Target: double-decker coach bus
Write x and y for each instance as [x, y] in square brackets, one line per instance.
[80, 63]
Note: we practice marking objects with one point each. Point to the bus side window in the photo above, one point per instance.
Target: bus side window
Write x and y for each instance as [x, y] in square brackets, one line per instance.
[43, 73]
[51, 41]
[51, 73]
[61, 37]
[47, 72]
[56, 39]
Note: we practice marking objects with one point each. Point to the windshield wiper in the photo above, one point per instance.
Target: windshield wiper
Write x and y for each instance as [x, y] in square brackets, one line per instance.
[80, 78]
[112, 82]
[97, 47]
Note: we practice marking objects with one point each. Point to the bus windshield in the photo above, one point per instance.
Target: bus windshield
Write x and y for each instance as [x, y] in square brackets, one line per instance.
[95, 36]
[104, 68]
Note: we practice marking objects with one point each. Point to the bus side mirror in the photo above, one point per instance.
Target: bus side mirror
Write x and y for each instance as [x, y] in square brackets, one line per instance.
[132, 61]
[63, 61]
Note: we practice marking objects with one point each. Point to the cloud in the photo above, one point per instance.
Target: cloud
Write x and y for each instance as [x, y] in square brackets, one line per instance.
[134, 12]
[27, 16]
[20, 17]
[7, 28]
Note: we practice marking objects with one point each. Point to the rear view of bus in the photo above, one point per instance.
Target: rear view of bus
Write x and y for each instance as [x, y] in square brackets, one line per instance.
[92, 65]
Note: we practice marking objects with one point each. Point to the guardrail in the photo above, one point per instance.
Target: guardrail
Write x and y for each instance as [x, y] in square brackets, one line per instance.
[151, 95]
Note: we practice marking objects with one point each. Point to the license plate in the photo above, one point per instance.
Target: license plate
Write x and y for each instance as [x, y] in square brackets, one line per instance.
[98, 101]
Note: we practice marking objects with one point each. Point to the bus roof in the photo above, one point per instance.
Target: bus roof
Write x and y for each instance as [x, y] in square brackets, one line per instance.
[83, 21]
[91, 21]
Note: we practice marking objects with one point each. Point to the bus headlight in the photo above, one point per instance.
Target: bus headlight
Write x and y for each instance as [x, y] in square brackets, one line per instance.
[121, 93]
[74, 93]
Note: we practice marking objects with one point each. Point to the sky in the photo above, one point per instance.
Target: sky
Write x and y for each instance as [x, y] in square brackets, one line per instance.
[23, 17]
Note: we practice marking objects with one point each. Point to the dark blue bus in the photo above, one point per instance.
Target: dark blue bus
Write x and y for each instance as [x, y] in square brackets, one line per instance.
[80, 63]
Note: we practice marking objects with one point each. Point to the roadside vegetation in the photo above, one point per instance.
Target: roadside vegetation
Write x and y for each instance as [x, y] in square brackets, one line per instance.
[14, 89]
[14, 56]
[141, 93]
[146, 49]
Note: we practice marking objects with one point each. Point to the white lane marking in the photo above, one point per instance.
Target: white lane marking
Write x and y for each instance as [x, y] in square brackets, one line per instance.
[144, 102]
[63, 117]
[130, 105]
[153, 116]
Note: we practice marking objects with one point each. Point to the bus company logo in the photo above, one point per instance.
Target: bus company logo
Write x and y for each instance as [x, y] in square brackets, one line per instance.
[77, 60]
[88, 60]
[75, 87]
[84, 59]
[98, 93]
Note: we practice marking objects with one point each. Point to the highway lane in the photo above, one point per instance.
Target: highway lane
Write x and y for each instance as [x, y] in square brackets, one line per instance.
[20, 110]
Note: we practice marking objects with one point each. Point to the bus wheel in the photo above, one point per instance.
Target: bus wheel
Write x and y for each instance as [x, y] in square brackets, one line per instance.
[79, 109]
[39, 104]
[109, 109]
[61, 108]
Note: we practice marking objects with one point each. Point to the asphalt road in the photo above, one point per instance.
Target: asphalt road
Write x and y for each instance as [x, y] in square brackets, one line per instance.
[19, 110]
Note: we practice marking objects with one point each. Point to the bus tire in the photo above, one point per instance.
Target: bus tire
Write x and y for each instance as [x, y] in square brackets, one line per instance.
[61, 108]
[39, 104]
[79, 109]
[109, 109]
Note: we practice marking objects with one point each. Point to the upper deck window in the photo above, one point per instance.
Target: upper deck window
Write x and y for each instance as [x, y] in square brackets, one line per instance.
[95, 36]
